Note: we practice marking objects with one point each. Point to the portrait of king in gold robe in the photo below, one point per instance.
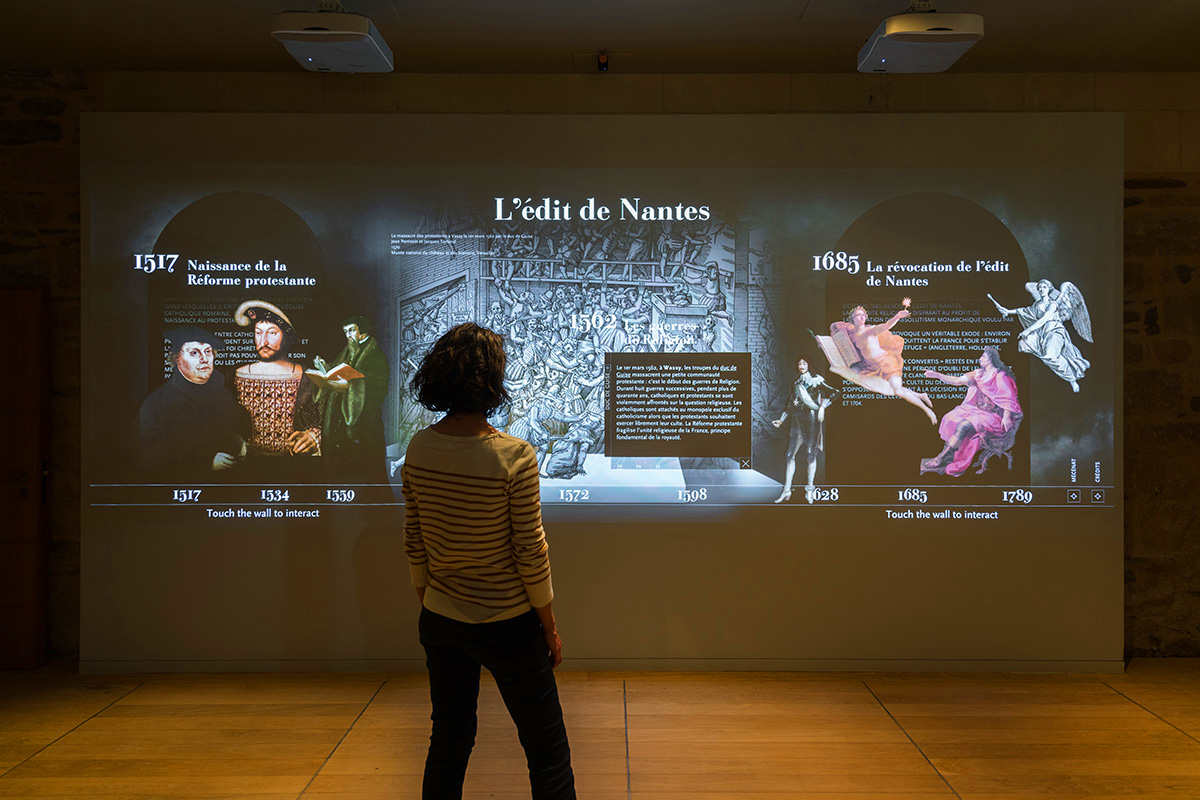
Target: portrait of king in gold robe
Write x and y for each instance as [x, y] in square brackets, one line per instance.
[282, 400]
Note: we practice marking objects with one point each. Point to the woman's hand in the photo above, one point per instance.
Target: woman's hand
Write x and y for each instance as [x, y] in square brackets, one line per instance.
[554, 645]
[545, 616]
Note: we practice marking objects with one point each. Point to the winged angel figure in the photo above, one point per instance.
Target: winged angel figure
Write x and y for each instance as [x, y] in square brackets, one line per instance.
[1044, 333]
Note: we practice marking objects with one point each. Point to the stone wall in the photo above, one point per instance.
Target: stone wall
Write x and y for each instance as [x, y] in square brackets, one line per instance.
[1162, 414]
[40, 244]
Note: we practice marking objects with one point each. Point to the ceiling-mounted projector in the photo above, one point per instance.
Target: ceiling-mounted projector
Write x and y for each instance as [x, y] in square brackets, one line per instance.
[332, 41]
[923, 42]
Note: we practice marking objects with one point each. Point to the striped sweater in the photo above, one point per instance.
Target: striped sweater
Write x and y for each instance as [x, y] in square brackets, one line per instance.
[473, 525]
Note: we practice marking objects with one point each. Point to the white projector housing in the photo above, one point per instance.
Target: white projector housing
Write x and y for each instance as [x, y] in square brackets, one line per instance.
[922, 42]
[332, 41]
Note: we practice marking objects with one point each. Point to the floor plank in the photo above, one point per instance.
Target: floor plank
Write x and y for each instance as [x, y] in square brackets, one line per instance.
[660, 736]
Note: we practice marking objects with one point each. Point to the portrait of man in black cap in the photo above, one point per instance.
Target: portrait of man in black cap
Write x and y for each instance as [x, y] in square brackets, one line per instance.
[191, 426]
[353, 424]
[282, 401]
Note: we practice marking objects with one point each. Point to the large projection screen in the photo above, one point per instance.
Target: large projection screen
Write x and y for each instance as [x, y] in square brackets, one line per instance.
[951, 282]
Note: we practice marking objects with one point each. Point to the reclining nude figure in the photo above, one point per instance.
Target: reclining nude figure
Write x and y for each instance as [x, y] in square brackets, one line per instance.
[879, 364]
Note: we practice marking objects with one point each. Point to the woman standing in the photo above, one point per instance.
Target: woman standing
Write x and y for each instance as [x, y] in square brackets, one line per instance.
[478, 555]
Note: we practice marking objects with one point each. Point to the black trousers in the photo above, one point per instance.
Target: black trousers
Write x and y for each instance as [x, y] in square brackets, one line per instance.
[514, 651]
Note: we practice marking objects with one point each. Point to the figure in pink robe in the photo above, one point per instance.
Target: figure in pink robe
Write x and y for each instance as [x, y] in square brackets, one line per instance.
[990, 407]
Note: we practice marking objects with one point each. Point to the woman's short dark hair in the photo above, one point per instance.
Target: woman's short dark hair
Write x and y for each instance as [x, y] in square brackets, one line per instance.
[463, 372]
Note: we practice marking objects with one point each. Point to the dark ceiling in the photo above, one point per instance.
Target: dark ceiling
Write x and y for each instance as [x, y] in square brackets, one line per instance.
[554, 36]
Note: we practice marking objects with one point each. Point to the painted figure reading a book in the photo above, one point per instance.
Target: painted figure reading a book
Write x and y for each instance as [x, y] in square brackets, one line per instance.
[353, 392]
[282, 401]
[987, 417]
[869, 355]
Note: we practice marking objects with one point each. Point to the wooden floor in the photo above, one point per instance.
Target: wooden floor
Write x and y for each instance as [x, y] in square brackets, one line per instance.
[666, 736]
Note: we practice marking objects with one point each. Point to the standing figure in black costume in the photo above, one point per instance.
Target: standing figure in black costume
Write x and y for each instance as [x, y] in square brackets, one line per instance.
[806, 409]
